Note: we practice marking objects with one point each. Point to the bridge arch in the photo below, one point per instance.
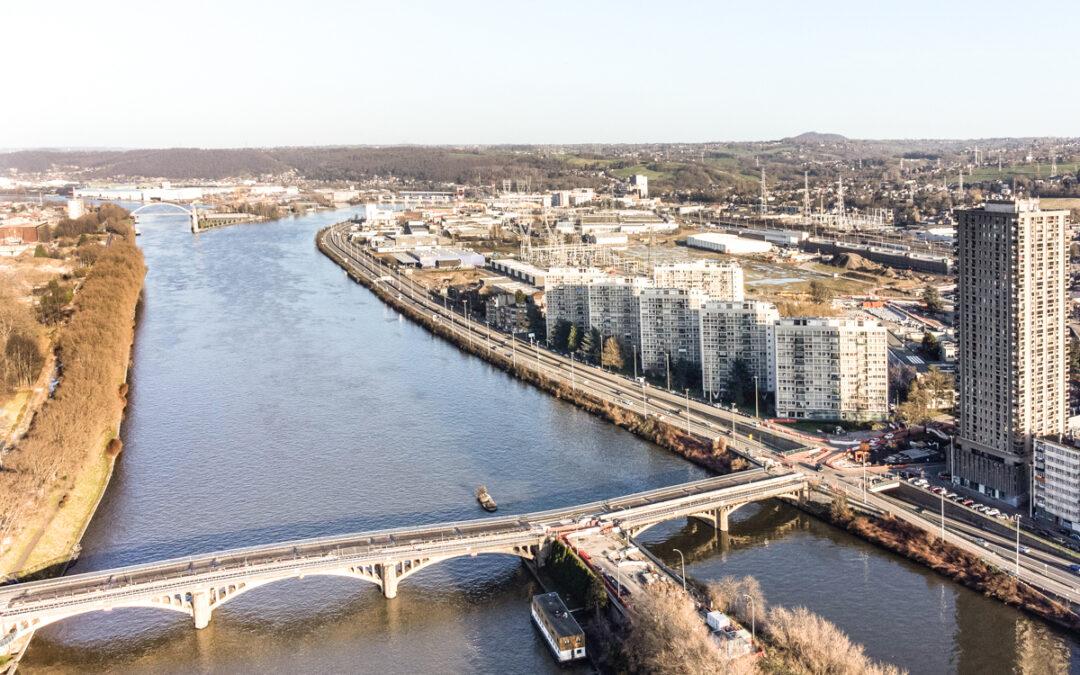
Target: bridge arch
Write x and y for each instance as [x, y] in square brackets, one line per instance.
[181, 208]
[192, 212]
[200, 600]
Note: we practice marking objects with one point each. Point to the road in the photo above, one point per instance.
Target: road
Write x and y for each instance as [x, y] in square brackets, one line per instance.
[1045, 570]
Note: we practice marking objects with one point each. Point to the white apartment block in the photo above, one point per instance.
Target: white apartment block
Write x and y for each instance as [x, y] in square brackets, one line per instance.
[720, 280]
[833, 369]
[736, 330]
[608, 304]
[1057, 480]
[1012, 274]
[568, 302]
[613, 309]
[669, 327]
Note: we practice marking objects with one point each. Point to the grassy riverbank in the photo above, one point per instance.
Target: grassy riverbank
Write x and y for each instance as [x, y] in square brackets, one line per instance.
[55, 476]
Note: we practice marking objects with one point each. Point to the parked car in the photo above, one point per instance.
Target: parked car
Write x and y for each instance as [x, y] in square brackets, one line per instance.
[968, 502]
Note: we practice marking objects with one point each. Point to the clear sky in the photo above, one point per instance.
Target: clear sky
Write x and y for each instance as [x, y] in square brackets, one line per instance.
[228, 73]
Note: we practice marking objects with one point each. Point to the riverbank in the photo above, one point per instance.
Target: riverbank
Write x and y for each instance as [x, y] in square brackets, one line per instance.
[716, 459]
[709, 455]
[57, 474]
[945, 559]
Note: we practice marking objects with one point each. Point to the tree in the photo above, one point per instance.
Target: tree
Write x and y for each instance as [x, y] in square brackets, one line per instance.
[820, 293]
[900, 379]
[23, 359]
[930, 347]
[939, 388]
[932, 300]
[590, 345]
[740, 384]
[52, 302]
[562, 334]
[573, 338]
[612, 355]
[916, 409]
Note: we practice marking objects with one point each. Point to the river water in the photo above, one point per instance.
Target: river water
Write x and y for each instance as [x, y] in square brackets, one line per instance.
[273, 398]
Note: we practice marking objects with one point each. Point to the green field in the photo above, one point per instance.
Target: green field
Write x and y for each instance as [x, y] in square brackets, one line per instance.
[986, 173]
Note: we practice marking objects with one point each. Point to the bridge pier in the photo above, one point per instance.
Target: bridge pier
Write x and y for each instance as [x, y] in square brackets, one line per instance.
[388, 574]
[200, 608]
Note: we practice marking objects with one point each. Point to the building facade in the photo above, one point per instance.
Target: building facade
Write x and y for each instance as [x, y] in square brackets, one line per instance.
[1011, 311]
[720, 280]
[1057, 480]
[831, 369]
[736, 330]
[669, 327]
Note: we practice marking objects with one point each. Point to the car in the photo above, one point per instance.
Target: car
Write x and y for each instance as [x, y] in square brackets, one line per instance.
[968, 502]
[1075, 535]
[980, 508]
[1074, 568]
[1024, 549]
[993, 512]
[982, 542]
[951, 495]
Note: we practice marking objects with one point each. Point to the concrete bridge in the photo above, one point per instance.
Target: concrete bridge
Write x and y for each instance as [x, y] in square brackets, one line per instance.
[197, 585]
[192, 212]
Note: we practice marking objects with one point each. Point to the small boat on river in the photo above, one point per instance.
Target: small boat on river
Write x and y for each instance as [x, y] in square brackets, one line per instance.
[485, 499]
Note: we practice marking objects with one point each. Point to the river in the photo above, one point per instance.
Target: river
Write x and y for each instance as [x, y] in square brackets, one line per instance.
[273, 398]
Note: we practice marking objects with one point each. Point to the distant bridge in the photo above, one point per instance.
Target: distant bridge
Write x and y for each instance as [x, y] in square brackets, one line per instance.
[192, 212]
[196, 585]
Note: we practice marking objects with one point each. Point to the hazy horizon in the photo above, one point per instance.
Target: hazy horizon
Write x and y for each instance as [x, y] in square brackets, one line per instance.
[244, 74]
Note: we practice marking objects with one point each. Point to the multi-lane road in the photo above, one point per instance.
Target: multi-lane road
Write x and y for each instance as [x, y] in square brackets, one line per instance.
[1043, 567]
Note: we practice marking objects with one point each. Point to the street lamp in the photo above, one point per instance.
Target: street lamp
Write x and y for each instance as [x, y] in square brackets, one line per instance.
[1017, 545]
[682, 561]
[942, 495]
[756, 415]
[573, 384]
[753, 627]
[667, 365]
[733, 406]
[687, 412]
[635, 361]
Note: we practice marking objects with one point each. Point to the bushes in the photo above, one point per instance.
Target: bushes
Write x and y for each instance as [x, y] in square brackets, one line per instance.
[811, 644]
[93, 348]
[667, 636]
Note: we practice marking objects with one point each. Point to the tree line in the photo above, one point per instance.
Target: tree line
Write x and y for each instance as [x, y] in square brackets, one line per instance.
[92, 338]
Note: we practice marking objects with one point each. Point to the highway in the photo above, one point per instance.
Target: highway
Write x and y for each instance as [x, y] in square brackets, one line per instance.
[1046, 570]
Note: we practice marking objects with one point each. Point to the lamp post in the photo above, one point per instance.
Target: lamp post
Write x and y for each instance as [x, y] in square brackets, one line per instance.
[942, 495]
[756, 398]
[733, 406]
[753, 619]
[1017, 545]
[687, 412]
[573, 384]
[635, 362]
[667, 365]
[682, 562]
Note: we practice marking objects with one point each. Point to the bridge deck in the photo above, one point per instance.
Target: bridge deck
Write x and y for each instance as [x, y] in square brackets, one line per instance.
[427, 541]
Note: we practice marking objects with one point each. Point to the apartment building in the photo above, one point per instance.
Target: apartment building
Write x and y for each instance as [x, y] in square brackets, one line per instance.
[835, 369]
[1057, 480]
[608, 304]
[613, 309]
[736, 330]
[720, 280]
[669, 327]
[1011, 310]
